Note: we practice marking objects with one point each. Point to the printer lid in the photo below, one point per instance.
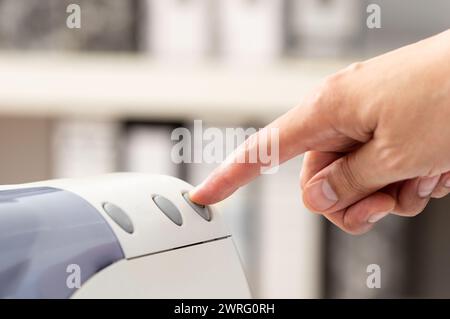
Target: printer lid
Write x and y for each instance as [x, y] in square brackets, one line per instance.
[45, 234]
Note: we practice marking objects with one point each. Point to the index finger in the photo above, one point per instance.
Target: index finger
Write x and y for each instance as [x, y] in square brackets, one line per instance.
[288, 136]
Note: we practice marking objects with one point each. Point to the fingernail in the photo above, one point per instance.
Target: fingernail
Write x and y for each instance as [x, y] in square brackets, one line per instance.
[320, 195]
[191, 192]
[427, 185]
[447, 183]
[376, 217]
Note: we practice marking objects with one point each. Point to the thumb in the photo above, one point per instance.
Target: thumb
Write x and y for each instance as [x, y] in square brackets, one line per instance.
[346, 181]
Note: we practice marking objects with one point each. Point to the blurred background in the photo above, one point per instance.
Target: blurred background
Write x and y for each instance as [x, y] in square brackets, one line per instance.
[106, 97]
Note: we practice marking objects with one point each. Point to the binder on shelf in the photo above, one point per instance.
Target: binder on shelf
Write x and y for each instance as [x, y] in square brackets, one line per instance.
[251, 30]
[146, 148]
[325, 28]
[84, 148]
[178, 29]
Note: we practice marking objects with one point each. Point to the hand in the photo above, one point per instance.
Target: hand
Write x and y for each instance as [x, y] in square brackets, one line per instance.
[376, 137]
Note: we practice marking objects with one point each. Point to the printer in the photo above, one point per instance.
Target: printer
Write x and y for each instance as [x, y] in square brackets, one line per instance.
[115, 236]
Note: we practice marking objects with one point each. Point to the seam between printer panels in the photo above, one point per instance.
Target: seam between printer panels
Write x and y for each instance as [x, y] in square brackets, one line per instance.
[181, 247]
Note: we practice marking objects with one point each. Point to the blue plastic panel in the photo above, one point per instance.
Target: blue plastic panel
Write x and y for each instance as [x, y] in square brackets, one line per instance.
[46, 236]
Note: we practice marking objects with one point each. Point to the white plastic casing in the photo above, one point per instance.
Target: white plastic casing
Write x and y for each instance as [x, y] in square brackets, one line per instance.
[162, 260]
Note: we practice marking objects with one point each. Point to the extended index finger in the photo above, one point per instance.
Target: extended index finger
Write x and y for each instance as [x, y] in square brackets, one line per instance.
[293, 133]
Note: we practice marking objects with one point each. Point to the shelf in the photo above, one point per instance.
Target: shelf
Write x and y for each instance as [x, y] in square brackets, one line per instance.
[116, 86]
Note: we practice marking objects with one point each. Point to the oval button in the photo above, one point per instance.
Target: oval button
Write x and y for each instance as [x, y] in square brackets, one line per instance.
[202, 210]
[169, 209]
[119, 217]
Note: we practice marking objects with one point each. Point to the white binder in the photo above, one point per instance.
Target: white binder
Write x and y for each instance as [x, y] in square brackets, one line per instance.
[147, 149]
[326, 28]
[251, 30]
[84, 147]
[178, 29]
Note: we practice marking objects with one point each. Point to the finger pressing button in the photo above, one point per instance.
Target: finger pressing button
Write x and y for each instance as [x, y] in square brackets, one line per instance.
[202, 210]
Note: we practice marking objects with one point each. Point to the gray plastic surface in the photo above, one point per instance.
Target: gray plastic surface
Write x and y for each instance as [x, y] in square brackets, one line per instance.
[118, 215]
[46, 233]
[169, 209]
[202, 210]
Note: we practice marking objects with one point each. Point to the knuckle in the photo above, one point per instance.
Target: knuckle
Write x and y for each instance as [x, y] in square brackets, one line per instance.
[354, 226]
[410, 211]
[413, 212]
[391, 158]
[328, 94]
[307, 206]
[331, 83]
[350, 227]
[332, 88]
[355, 66]
[394, 157]
[349, 179]
[354, 229]
[440, 192]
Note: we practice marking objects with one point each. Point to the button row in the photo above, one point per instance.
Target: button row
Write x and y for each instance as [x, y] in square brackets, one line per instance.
[166, 206]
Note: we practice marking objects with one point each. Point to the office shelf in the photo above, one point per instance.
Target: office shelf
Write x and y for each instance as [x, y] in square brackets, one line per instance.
[118, 86]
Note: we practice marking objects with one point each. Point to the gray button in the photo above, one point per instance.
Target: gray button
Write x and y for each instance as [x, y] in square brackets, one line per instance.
[169, 209]
[119, 216]
[200, 209]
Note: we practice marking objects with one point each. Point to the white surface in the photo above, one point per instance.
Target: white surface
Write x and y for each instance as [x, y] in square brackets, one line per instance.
[209, 270]
[117, 86]
[153, 231]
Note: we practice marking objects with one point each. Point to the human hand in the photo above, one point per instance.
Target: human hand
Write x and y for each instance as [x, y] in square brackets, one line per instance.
[376, 137]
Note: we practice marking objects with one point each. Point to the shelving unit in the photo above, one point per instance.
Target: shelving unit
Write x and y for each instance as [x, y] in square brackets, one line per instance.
[116, 86]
